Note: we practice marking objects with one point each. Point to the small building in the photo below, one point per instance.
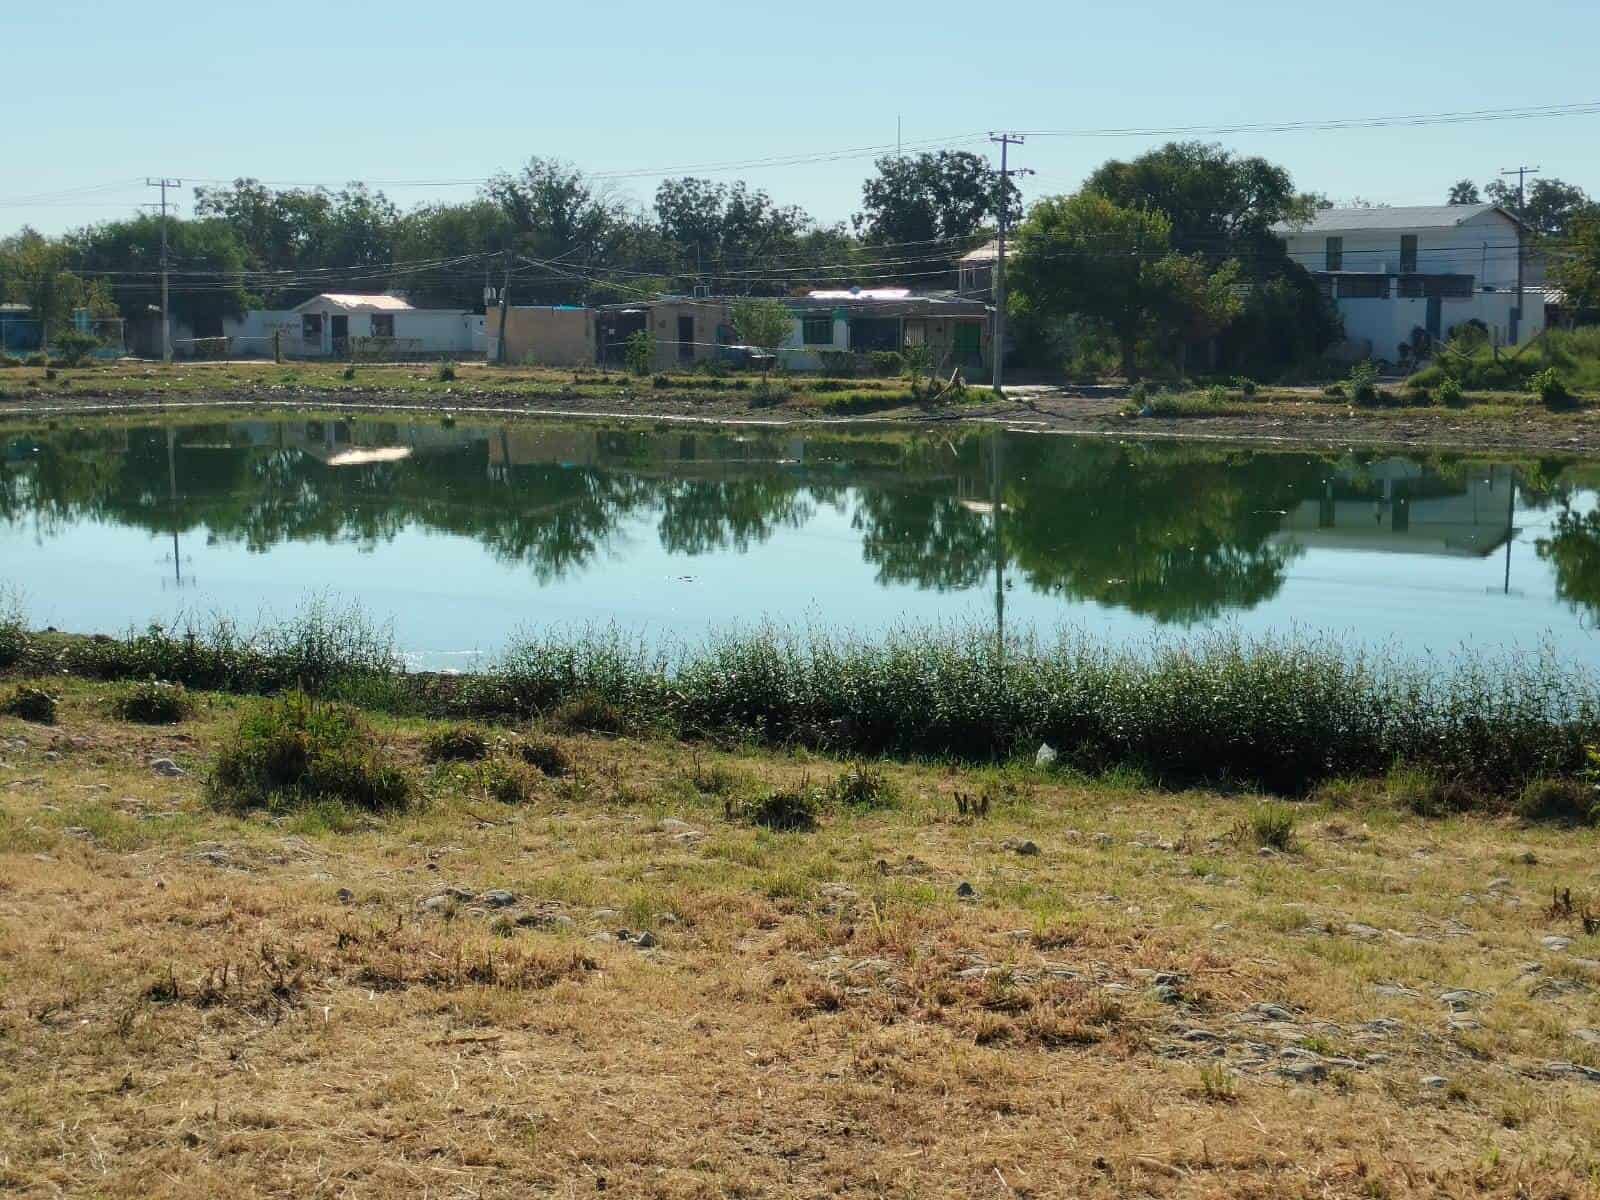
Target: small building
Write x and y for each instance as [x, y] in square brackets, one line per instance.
[543, 335]
[975, 271]
[1395, 272]
[342, 325]
[858, 321]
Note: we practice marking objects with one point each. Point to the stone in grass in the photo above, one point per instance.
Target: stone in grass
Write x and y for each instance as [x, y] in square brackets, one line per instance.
[1555, 943]
[1021, 846]
[966, 891]
[167, 768]
[1304, 1072]
[1434, 1081]
[1046, 756]
[497, 898]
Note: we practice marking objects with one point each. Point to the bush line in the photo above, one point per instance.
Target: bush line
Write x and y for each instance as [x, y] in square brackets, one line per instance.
[1281, 714]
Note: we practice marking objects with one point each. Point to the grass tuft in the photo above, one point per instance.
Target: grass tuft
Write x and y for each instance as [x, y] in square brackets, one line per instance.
[29, 703]
[1267, 825]
[862, 786]
[154, 703]
[1564, 801]
[297, 751]
[457, 743]
[544, 754]
[781, 809]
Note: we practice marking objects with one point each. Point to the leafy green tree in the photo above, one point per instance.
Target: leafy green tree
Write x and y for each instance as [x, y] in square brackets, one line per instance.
[1550, 205]
[951, 195]
[1464, 191]
[1574, 550]
[1577, 270]
[1086, 255]
[764, 324]
[722, 233]
[558, 217]
[206, 258]
[35, 271]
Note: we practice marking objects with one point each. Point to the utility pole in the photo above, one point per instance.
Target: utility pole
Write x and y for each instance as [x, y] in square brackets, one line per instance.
[505, 301]
[998, 347]
[166, 315]
[1522, 174]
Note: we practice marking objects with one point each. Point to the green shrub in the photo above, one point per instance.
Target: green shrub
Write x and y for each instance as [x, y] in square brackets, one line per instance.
[1334, 391]
[1139, 392]
[639, 351]
[1428, 793]
[38, 359]
[661, 381]
[446, 372]
[456, 743]
[1246, 385]
[350, 372]
[784, 810]
[1450, 393]
[1566, 801]
[13, 630]
[154, 703]
[296, 751]
[861, 786]
[1552, 393]
[1364, 382]
[30, 703]
[887, 364]
[9, 360]
[546, 755]
[72, 347]
[506, 781]
[1269, 825]
[840, 364]
[589, 712]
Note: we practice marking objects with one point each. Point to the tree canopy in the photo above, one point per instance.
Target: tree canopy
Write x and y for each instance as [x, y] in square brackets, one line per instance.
[953, 195]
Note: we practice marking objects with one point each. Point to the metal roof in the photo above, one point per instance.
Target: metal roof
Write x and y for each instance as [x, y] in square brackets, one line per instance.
[356, 303]
[986, 253]
[1426, 216]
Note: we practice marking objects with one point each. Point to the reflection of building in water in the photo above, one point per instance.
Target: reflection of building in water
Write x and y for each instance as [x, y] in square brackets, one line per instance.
[1397, 506]
[642, 454]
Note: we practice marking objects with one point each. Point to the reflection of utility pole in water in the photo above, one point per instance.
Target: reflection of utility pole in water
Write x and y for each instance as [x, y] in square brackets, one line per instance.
[999, 562]
[1511, 522]
[172, 500]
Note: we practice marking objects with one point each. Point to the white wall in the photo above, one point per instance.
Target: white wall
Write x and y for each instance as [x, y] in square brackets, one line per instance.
[798, 356]
[1377, 327]
[1484, 247]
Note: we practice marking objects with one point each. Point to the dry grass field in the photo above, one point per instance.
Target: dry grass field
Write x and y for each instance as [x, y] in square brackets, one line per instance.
[1074, 988]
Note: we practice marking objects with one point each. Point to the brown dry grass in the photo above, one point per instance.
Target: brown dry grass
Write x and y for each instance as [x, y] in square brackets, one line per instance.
[195, 1005]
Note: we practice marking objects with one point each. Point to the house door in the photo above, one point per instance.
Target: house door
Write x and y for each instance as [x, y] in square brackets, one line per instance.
[1435, 316]
[968, 344]
[341, 336]
[685, 338]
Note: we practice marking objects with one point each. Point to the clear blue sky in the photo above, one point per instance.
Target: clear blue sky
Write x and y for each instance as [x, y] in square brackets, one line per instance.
[106, 93]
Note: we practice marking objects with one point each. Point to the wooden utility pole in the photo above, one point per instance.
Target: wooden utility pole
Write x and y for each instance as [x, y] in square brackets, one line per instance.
[1522, 174]
[166, 314]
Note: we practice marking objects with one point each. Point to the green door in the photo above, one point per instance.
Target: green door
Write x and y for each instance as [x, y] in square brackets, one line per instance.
[969, 344]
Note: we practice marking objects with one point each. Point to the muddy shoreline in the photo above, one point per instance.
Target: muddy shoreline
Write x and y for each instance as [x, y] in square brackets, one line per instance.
[1088, 412]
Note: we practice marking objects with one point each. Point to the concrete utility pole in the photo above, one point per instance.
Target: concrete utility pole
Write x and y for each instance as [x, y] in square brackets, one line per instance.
[998, 348]
[505, 302]
[166, 316]
[1522, 174]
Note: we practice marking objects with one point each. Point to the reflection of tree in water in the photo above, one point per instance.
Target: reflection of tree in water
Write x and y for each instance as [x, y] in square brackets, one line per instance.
[923, 537]
[1574, 551]
[701, 515]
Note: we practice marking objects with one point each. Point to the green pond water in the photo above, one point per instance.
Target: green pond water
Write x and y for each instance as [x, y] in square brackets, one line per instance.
[465, 535]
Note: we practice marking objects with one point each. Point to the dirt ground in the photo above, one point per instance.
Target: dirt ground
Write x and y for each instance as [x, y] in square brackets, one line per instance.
[1092, 989]
[1285, 416]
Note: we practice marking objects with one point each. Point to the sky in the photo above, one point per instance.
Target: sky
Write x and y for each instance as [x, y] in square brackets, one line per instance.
[420, 96]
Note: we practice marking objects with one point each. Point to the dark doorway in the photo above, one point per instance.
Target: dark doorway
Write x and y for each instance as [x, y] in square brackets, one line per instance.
[874, 333]
[685, 338]
[1435, 316]
[340, 328]
[612, 331]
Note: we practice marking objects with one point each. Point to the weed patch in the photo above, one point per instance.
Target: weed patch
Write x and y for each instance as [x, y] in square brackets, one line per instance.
[29, 703]
[457, 743]
[154, 703]
[544, 754]
[297, 750]
[781, 809]
[1266, 825]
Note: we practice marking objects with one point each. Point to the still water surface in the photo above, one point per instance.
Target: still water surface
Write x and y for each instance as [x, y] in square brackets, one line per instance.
[465, 535]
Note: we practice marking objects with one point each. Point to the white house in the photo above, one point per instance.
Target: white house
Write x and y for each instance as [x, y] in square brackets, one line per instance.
[860, 320]
[1394, 271]
[334, 324]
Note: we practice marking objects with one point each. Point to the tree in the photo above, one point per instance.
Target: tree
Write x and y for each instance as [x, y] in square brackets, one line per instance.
[1549, 206]
[1219, 204]
[556, 214]
[1089, 256]
[207, 264]
[1464, 191]
[717, 229]
[1577, 270]
[764, 324]
[951, 196]
[34, 270]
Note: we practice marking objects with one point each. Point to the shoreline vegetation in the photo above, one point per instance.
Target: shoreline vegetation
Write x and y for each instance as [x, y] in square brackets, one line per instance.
[1234, 410]
[1284, 715]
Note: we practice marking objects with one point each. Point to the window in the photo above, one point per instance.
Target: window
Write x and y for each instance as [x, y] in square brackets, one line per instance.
[817, 329]
[1335, 252]
[1363, 287]
[383, 325]
[1448, 287]
[311, 328]
[1408, 253]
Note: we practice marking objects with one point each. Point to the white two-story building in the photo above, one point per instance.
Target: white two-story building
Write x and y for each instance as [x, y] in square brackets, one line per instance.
[1395, 271]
